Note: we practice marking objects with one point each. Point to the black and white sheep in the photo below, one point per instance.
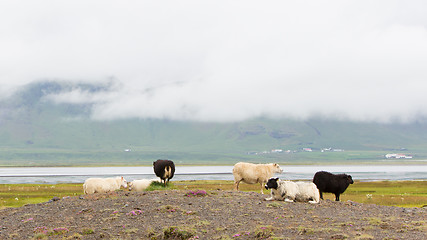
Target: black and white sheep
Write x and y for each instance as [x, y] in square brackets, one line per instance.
[332, 183]
[164, 169]
[292, 191]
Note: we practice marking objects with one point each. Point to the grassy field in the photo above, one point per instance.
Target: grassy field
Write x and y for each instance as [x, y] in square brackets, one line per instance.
[390, 193]
[47, 157]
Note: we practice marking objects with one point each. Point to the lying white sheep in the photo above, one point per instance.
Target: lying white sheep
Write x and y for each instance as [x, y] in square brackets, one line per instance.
[103, 185]
[140, 185]
[292, 191]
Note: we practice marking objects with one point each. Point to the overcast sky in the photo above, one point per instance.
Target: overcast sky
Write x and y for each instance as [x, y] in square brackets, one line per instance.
[224, 60]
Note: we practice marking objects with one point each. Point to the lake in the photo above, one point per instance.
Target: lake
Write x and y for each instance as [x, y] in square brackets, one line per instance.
[52, 175]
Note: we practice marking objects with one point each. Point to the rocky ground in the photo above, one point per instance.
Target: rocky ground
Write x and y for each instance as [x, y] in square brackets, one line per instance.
[179, 214]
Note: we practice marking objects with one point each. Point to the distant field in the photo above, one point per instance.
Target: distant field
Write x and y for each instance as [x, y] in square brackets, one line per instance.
[390, 193]
[17, 157]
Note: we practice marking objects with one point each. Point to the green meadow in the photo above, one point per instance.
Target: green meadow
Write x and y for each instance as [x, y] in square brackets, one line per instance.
[390, 193]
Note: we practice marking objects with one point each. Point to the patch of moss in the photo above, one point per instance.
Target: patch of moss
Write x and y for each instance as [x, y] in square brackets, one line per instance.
[88, 231]
[175, 232]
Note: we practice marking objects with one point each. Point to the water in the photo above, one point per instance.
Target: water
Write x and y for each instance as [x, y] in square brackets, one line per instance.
[52, 175]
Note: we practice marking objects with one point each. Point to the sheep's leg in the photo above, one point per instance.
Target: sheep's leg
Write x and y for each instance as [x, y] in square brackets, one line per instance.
[321, 195]
[337, 197]
[269, 199]
[236, 185]
[288, 200]
[262, 188]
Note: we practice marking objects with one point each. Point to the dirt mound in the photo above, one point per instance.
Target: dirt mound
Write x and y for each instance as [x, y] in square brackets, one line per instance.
[178, 214]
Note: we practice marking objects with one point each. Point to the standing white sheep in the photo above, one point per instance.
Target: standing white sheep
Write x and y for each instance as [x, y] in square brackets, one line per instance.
[103, 185]
[254, 173]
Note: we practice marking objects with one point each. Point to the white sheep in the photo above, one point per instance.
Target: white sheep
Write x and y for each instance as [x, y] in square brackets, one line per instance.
[292, 191]
[141, 184]
[103, 185]
[254, 173]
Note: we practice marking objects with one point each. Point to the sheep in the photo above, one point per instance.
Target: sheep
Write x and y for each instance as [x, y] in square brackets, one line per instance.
[292, 191]
[254, 173]
[103, 185]
[164, 169]
[140, 185]
[332, 183]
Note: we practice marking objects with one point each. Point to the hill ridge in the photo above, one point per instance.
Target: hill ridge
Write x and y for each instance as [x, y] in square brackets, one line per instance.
[32, 128]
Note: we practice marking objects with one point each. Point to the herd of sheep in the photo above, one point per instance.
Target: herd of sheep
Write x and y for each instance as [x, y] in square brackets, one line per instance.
[250, 173]
[164, 169]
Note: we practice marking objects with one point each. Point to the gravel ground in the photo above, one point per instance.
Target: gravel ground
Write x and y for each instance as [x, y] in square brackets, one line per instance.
[178, 214]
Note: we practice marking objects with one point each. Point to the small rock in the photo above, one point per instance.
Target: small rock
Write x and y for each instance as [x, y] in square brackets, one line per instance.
[406, 210]
[338, 236]
[55, 199]
[85, 210]
[351, 203]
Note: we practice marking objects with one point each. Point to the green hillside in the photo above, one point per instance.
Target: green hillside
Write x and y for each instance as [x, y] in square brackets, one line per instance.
[37, 132]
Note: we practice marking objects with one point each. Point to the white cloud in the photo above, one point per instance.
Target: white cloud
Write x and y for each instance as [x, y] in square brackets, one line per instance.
[225, 60]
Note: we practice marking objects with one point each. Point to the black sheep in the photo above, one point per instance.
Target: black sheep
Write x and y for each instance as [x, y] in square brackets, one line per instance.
[332, 183]
[164, 169]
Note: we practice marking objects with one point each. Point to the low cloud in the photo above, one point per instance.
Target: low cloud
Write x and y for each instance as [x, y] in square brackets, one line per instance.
[225, 61]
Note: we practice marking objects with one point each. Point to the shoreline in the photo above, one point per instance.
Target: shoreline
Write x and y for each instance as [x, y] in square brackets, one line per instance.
[43, 175]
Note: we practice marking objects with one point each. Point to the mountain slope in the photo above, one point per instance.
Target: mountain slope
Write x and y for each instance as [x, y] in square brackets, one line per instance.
[36, 131]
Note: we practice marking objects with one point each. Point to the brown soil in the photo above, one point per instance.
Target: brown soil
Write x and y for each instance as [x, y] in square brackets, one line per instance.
[173, 214]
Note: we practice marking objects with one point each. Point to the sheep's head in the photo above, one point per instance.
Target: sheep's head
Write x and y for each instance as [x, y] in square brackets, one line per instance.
[277, 168]
[272, 183]
[349, 179]
[130, 185]
[124, 182]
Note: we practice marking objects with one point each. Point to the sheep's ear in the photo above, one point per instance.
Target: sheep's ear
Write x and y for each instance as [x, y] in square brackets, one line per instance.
[122, 177]
[277, 179]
